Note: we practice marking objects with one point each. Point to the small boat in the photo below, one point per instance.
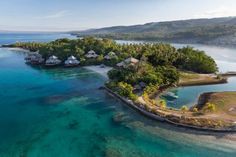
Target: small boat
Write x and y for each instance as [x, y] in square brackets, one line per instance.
[170, 96]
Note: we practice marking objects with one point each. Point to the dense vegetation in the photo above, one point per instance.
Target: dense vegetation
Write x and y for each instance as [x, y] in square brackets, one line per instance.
[158, 64]
[195, 60]
[218, 31]
[155, 58]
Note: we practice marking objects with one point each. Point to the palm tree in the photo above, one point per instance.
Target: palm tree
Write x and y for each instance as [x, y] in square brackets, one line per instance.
[184, 109]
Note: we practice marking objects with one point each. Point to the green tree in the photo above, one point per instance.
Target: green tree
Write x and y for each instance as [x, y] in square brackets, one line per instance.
[195, 60]
[184, 109]
[209, 107]
[195, 110]
[126, 90]
[162, 104]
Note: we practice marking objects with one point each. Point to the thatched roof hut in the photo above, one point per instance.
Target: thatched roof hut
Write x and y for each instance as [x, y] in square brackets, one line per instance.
[72, 61]
[110, 55]
[52, 61]
[91, 54]
[129, 61]
[34, 58]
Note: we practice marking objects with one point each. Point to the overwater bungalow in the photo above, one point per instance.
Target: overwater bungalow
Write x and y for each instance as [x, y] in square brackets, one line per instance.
[71, 62]
[53, 61]
[91, 54]
[29, 56]
[34, 58]
[110, 56]
[128, 62]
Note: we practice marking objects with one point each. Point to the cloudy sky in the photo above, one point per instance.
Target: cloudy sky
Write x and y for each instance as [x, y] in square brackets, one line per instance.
[64, 15]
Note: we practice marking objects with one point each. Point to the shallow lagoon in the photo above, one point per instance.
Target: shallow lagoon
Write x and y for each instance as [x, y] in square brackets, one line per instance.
[189, 95]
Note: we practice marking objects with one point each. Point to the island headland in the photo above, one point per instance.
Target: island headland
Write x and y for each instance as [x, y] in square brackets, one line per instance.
[139, 73]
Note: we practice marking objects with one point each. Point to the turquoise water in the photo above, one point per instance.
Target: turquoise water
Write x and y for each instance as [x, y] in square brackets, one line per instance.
[60, 112]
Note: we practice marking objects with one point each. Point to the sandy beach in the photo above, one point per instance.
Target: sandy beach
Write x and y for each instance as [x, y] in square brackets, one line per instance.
[98, 69]
[18, 49]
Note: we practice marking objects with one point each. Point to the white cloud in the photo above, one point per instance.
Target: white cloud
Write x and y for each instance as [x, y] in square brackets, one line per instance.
[59, 14]
[218, 12]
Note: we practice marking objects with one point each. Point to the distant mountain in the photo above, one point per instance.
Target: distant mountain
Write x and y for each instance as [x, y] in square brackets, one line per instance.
[216, 31]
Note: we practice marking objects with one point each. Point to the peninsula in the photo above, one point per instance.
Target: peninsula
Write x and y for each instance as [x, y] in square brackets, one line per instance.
[140, 73]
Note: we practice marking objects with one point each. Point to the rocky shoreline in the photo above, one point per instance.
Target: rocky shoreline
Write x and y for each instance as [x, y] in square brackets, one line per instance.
[203, 99]
[220, 81]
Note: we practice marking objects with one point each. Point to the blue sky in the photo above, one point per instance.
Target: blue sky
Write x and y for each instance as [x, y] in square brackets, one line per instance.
[64, 15]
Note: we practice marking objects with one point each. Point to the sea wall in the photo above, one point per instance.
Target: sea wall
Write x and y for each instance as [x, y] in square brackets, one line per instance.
[164, 119]
[134, 106]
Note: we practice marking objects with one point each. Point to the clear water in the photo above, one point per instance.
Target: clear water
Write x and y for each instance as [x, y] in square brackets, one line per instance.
[61, 112]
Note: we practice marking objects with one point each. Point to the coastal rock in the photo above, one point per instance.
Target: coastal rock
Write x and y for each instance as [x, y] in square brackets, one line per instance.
[111, 152]
[119, 117]
[73, 125]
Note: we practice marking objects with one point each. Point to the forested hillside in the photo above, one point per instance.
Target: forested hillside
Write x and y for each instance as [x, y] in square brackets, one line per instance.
[217, 31]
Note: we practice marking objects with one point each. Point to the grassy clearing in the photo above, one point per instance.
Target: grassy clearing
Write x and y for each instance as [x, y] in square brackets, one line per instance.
[191, 79]
[225, 103]
[217, 111]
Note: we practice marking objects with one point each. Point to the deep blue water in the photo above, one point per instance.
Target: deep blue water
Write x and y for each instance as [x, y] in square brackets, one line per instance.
[60, 112]
[9, 38]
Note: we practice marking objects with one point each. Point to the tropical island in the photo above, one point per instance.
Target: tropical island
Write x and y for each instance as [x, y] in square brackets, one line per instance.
[141, 72]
